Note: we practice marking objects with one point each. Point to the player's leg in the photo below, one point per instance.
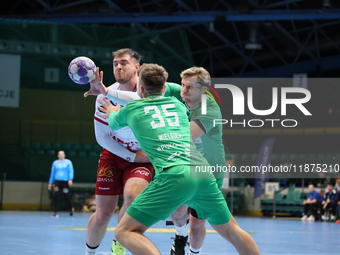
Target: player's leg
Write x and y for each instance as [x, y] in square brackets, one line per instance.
[98, 222]
[136, 178]
[56, 198]
[65, 189]
[240, 239]
[197, 233]
[197, 227]
[180, 218]
[133, 187]
[167, 192]
[109, 185]
[129, 233]
[212, 206]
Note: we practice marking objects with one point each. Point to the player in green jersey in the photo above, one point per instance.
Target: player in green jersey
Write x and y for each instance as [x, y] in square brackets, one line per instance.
[208, 140]
[162, 129]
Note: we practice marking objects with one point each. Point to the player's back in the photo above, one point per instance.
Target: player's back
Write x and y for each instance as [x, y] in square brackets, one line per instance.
[161, 127]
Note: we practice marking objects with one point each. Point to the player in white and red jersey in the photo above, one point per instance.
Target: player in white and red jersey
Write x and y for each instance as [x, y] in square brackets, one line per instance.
[123, 167]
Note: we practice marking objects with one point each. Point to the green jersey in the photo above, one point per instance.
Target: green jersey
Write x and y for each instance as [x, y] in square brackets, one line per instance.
[174, 90]
[161, 127]
[210, 144]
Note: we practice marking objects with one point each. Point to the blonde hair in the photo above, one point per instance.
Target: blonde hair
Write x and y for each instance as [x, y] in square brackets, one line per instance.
[201, 73]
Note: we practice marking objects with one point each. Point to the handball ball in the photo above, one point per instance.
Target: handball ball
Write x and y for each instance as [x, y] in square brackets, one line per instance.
[82, 70]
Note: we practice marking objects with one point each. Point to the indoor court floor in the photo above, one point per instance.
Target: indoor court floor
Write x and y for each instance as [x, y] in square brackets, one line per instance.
[40, 233]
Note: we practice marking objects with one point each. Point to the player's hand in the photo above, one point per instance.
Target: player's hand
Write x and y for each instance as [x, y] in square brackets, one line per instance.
[141, 157]
[49, 186]
[97, 86]
[70, 182]
[106, 107]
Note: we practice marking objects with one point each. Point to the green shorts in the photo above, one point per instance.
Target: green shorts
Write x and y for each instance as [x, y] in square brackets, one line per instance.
[174, 187]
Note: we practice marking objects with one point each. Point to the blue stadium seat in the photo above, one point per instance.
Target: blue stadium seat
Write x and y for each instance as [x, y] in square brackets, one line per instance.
[97, 147]
[284, 157]
[293, 157]
[35, 145]
[71, 154]
[76, 146]
[25, 145]
[56, 146]
[87, 147]
[82, 154]
[93, 154]
[40, 152]
[245, 157]
[66, 146]
[321, 157]
[330, 156]
[275, 157]
[46, 146]
[313, 156]
[51, 152]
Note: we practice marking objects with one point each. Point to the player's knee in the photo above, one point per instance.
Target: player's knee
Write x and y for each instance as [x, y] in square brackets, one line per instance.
[103, 215]
[119, 233]
[197, 224]
[129, 196]
[180, 212]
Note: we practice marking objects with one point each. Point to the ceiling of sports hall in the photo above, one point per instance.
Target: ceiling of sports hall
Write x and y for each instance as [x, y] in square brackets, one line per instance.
[273, 38]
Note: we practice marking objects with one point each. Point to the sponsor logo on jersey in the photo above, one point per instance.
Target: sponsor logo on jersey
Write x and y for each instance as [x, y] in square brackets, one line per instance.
[101, 179]
[101, 188]
[105, 172]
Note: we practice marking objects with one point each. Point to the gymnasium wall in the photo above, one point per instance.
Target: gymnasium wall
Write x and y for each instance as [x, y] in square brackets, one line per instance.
[20, 195]
[49, 116]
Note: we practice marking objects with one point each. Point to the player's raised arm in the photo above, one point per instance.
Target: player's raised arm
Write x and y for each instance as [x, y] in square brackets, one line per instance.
[97, 86]
[116, 120]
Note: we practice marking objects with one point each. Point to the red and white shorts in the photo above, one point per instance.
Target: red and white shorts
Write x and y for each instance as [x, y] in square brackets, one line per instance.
[113, 172]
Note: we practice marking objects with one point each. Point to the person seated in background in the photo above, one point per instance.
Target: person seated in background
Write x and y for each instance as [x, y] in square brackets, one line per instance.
[330, 203]
[310, 205]
[337, 185]
[90, 204]
[338, 210]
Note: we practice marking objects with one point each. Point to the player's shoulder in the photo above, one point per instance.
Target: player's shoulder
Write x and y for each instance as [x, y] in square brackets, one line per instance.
[172, 84]
[114, 85]
[212, 103]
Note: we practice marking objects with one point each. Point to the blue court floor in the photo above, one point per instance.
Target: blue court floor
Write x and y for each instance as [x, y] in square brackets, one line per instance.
[39, 233]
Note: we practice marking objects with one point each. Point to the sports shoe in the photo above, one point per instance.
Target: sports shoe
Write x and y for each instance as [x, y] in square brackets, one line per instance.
[324, 217]
[72, 211]
[311, 218]
[338, 221]
[178, 246]
[304, 218]
[332, 218]
[55, 215]
[117, 248]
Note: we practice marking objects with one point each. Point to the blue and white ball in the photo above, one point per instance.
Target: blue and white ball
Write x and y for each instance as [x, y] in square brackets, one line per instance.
[82, 70]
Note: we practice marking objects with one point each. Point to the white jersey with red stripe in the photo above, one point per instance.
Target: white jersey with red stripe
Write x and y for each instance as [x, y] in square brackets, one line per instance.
[120, 142]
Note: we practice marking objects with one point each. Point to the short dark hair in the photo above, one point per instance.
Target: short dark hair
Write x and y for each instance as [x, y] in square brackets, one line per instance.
[153, 77]
[331, 184]
[130, 52]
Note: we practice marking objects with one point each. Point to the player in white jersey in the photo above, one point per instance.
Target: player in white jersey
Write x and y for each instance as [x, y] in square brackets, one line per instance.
[123, 167]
